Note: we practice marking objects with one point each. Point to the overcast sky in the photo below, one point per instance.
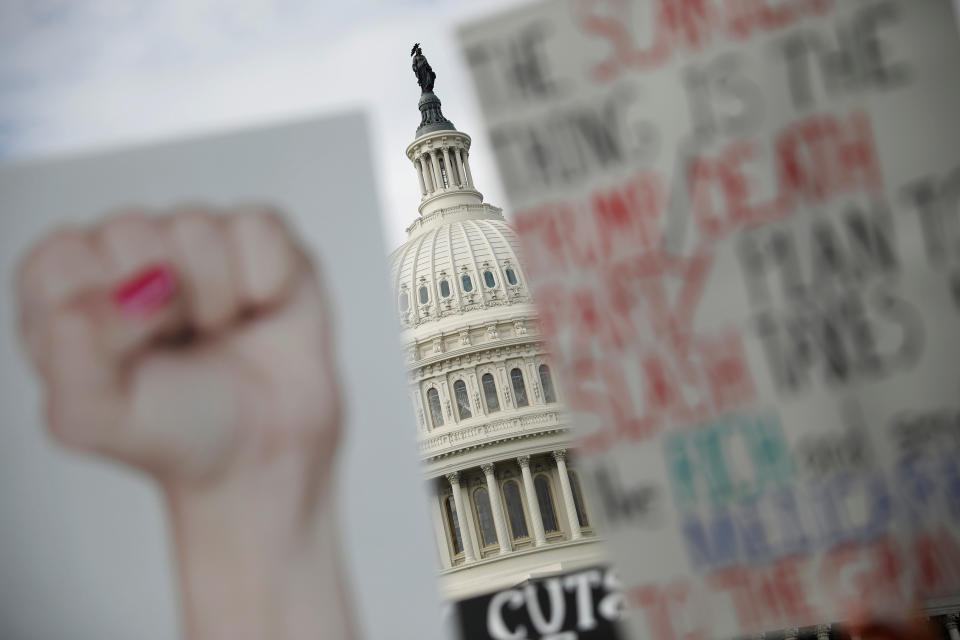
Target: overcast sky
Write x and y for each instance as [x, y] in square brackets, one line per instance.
[82, 74]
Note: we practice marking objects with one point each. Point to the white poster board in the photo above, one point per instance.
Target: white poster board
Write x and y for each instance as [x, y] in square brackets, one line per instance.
[741, 226]
[83, 547]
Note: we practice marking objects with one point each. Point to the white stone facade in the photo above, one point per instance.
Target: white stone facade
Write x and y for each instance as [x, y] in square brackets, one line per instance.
[492, 430]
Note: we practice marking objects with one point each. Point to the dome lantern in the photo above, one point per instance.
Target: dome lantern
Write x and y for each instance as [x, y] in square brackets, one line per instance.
[440, 153]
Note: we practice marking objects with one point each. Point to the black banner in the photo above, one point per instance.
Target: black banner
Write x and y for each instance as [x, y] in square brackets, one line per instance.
[584, 605]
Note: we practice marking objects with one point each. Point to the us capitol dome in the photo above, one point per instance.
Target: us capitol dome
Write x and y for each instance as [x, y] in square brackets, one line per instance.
[506, 502]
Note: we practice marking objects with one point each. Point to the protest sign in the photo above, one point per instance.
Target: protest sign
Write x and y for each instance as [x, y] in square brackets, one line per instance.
[582, 605]
[740, 221]
[83, 550]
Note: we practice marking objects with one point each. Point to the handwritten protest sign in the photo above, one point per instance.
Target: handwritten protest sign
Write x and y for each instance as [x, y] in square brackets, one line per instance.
[741, 224]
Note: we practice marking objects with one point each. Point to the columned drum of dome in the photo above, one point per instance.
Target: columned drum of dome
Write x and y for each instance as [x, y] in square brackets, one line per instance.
[492, 429]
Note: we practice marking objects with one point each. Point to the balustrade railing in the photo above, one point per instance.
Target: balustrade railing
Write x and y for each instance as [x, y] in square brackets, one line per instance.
[484, 432]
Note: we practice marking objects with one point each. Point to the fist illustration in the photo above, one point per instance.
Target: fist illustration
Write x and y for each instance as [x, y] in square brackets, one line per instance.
[194, 346]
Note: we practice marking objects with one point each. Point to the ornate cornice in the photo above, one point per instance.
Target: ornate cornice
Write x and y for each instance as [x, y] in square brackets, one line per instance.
[474, 355]
[485, 434]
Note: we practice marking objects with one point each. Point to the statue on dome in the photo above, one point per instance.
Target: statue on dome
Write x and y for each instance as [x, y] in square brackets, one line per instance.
[422, 69]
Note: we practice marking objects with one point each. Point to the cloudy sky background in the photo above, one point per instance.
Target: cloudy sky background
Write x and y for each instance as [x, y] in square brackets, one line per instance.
[92, 74]
[88, 74]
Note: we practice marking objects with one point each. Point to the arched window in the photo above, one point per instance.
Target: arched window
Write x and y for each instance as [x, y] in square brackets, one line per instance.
[424, 295]
[463, 400]
[436, 413]
[490, 393]
[488, 279]
[511, 276]
[404, 301]
[518, 522]
[488, 530]
[545, 500]
[546, 381]
[444, 289]
[453, 525]
[578, 498]
[519, 388]
[467, 283]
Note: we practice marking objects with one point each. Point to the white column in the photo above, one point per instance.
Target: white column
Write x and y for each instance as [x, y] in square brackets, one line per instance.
[437, 516]
[475, 395]
[951, 624]
[463, 516]
[466, 165]
[423, 186]
[446, 403]
[493, 490]
[463, 173]
[533, 505]
[504, 386]
[446, 163]
[823, 632]
[561, 457]
[534, 384]
[422, 417]
[472, 523]
[453, 169]
[425, 172]
[438, 177]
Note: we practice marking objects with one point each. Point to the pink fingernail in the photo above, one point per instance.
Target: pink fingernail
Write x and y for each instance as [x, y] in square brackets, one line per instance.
[147, 291]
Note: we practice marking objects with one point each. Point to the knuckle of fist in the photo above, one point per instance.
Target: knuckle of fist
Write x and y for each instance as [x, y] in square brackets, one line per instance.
[132, 214]
[123, 219]
[265, 251]
[121, 226]
[265, 212]
[267, 224]
[194, 226]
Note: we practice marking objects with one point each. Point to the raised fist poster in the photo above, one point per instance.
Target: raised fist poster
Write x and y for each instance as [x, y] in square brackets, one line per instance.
[740, 221]
[85, 547]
